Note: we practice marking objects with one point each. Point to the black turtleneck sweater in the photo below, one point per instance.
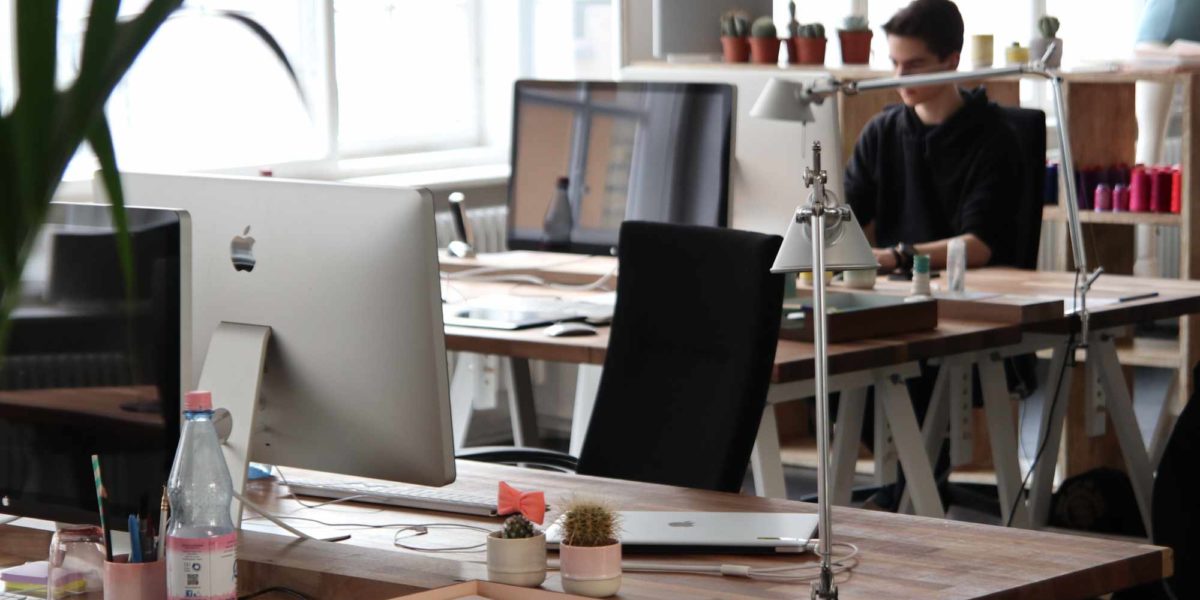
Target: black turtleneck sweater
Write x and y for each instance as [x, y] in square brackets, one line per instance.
[921, 183]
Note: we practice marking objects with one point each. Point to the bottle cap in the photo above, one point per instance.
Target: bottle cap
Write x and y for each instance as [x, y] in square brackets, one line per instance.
[921, 263]
[197, 401]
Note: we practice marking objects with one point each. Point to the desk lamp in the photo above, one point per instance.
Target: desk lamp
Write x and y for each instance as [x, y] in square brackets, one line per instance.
[825, 235]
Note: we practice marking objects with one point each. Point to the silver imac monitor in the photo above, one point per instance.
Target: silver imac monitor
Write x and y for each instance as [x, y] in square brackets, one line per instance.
[346, 278]
[91, 368]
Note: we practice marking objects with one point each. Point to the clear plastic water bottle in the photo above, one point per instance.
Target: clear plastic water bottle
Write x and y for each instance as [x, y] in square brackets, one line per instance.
[201, 539]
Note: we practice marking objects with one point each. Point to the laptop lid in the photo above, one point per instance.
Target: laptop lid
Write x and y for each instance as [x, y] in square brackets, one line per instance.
[709, 531]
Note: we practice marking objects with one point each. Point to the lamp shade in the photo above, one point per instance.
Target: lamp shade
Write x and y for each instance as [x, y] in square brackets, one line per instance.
[783, 100]
[846, 248]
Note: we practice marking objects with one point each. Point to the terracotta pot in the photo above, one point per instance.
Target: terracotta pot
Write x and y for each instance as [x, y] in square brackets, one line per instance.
[792, 57]
[811, 50]
[856, 46]
[593, 572]
[519, 561]
[764, 51]
[737, 49]
[1037, 49]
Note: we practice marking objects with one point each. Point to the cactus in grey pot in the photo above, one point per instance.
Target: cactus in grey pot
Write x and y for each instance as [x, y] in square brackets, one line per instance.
[518, 527]
[1048, 28]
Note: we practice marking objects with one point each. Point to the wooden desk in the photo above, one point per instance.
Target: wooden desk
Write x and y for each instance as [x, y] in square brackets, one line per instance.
[900, 556]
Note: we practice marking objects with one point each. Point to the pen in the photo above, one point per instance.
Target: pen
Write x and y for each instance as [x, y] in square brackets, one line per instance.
[162, 525]
[135, 540]
[1137, 297]
[100, 496]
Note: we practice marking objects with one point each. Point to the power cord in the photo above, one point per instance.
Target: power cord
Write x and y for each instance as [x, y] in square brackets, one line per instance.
[275, 590]
[1021, 491]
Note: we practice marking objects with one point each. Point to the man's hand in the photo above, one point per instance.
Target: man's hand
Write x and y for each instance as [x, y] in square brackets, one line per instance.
[886, 259]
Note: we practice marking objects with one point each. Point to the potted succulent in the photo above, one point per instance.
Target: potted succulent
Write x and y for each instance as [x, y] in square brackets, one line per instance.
[764, 42]
[589, 553]
[735, 27]
[516, 555]
[793, 33]
[811, 44]
[855, 38]
[1048, 26]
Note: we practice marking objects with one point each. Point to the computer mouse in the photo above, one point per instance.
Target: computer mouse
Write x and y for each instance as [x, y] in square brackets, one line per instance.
[570, 329]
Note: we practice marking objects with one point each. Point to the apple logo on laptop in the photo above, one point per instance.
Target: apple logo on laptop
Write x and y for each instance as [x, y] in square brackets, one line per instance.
[681, 524]
[241, 251]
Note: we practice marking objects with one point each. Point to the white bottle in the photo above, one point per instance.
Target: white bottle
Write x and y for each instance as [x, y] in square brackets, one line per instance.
[956, 266]
[920, 277]
[201, 540]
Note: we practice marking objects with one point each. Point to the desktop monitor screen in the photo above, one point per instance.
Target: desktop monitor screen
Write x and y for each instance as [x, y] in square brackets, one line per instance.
[588, 155]
[346, 278]
[88, 369]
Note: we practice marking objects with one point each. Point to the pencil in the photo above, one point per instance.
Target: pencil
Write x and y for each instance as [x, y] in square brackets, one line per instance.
[101, 494]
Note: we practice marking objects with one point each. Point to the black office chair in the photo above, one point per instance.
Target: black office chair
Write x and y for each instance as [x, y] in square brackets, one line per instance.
[689, 360]
[1029, 125]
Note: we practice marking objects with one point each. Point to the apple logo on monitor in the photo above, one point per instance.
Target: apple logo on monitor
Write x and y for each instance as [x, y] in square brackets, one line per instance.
[241, 251]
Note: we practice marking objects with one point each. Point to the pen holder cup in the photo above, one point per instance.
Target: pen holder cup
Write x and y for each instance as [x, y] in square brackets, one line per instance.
[135, 581]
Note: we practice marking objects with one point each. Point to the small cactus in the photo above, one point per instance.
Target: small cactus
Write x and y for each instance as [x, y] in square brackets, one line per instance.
[855, 23]
[763, 27]
[793, 24]
[735, 24]
[1048, 26]
[812, 30]
[518, 527]
[589, 523]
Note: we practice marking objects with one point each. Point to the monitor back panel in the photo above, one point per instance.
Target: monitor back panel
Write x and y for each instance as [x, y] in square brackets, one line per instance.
[347, 279]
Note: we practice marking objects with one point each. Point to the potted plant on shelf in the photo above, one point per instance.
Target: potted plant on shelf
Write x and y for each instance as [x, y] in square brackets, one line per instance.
[855, 39]
[811, 44]
[1048, 26]
[793, 33]
[735, 27]
[764, 42]
[589, 553]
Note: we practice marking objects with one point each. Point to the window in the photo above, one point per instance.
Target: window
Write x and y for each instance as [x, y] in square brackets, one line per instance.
[382, 78]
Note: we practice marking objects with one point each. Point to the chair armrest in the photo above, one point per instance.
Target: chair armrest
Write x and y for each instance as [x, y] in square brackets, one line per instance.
[511, 455]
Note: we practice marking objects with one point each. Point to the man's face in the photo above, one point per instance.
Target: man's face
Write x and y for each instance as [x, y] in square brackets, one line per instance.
[910, 56]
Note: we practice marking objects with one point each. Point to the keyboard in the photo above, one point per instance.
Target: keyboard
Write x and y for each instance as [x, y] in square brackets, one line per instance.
[395, 494]
[513, 312]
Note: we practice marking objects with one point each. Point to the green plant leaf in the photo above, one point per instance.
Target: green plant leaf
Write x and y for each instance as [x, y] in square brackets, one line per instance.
[265, 37]
[33, 112]
[100, 138]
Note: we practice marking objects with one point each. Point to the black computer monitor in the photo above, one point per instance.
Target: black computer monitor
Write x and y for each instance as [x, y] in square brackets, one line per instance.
[88, 369]
[588, 155]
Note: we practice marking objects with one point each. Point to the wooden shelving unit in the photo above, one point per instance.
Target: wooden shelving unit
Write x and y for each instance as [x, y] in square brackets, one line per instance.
[1058, 214]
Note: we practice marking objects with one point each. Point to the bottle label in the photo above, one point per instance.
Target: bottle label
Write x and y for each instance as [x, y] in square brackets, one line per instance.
[202, 568]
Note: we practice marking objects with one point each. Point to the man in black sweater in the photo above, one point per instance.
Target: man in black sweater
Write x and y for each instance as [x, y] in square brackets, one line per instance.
[942, 165]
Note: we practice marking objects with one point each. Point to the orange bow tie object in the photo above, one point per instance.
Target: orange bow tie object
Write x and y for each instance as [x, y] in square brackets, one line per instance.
[530, 504]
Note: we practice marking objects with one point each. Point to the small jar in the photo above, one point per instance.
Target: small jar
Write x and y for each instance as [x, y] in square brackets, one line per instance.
[76, 561]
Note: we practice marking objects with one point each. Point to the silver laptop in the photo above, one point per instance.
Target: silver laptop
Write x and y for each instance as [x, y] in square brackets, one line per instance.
[710, 532]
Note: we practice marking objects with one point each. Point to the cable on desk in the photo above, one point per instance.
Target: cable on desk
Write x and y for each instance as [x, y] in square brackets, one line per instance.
[275, 590]
[416, 529]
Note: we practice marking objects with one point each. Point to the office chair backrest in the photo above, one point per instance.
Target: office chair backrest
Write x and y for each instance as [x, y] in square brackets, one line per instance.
[689, 358]
[1175, 510]
[1030, 127]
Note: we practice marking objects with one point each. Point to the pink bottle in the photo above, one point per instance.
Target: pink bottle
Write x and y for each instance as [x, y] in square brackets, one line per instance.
[1160, 190]
[1103, 198]
[1176, 189]
[1120, 198]
[1139, 190]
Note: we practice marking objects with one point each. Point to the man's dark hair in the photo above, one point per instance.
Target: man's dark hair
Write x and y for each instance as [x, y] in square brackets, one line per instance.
[935, 22]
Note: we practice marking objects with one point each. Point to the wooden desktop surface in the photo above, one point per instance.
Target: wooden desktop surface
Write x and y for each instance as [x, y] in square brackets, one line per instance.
[900, 556]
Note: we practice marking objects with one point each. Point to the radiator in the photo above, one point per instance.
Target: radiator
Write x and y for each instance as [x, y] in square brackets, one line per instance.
[487, 226]
[38, 371]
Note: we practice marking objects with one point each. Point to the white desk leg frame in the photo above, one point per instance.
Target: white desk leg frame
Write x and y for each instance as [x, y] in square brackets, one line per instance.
[846, 437]
[897, 405]
[521, 408]
[587, 384]
[766, 462]
[937, 421]
[1054, 411]
[1002, 433]
[1102, 356]
[233, 372]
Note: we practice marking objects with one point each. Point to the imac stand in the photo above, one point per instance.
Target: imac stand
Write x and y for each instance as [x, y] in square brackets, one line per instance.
[233, 372]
